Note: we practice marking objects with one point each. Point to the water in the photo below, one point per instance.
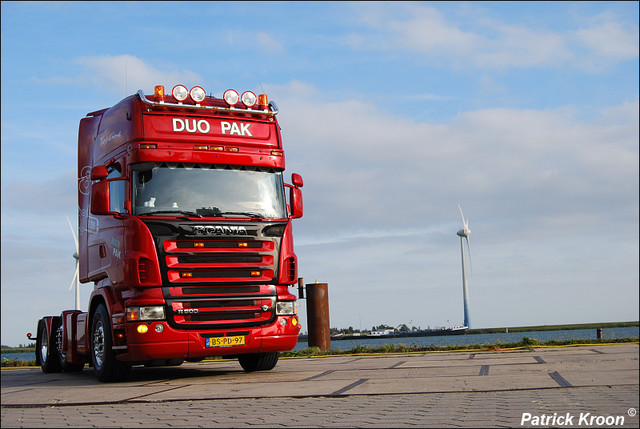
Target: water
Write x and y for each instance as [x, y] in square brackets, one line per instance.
[19, 356]
[456, 340]
[450, 340]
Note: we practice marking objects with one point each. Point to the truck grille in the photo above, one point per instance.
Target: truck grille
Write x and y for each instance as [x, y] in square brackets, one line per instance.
[227, 306]
[209, 261]
[220, 282]
[222, 279]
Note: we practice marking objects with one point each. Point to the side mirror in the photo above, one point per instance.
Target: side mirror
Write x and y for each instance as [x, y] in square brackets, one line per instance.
[100, 198]
[297, 181]
[99, 172]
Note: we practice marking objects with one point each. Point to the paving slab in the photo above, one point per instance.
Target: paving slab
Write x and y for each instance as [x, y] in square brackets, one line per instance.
[461, 389]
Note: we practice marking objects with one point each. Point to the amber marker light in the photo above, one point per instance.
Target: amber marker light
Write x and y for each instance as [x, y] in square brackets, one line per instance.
[198, 244]
[233, 149]
[158, 94]
[263, 101]
[243, 244]
[200, 147]
[256, 273]
[277, 153]
[142, 329]
[148, 146]
[186, 275]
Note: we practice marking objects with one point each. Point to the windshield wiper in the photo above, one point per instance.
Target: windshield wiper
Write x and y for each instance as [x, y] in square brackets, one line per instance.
[182, 212]
[247, 214]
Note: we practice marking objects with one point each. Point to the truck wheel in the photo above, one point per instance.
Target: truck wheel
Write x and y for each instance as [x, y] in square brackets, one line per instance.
[47, 350]
[64, 365]
[106, 366]
[259, 361]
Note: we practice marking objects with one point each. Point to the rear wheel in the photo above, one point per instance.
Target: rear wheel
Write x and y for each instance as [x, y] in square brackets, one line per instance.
[64, 365]
[259, 361]
[104, 361]
[47, 350]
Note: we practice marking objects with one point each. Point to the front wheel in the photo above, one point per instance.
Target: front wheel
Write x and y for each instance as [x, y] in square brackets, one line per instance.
[106, 366]
[259, 361]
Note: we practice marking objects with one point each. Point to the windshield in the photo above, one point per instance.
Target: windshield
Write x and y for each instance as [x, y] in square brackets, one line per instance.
[207, 190]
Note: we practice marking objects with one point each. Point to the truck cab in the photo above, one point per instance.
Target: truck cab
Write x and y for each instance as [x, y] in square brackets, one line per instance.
[185, 230]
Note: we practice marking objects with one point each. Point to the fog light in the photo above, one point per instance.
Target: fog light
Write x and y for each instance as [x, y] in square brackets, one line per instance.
[197, 94]
[283, 322]
[142, 329]
[231, 97]
[180, 92]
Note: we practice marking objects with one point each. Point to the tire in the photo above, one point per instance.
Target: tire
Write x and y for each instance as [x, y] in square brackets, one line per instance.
[106, 367]
[259, 361]
[64, 365]
[47, 350]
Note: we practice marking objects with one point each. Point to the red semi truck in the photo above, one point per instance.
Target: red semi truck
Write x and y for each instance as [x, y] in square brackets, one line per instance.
[185, 230]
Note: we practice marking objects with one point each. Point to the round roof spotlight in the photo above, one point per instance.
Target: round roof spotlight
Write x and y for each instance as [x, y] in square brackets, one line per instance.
[180, 92]
[249, 99]
[197, 93]
[231, 97]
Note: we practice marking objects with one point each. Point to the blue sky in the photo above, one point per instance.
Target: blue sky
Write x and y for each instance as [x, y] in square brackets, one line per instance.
[525, 113]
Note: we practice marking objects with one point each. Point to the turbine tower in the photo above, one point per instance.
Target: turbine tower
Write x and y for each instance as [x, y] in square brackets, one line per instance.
[464, 233]
[76, 275]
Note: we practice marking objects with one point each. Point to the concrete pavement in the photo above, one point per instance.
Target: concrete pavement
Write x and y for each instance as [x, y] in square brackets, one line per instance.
[585, 386]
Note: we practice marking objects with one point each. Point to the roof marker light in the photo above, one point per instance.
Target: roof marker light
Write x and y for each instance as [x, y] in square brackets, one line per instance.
[198, 94]
[180, 92]
[249, 99]
[231, 97]
[263, 102]
[158, 93]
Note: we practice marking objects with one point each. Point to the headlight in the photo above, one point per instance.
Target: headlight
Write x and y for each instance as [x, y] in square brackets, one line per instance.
[155, 312]
[285, 308]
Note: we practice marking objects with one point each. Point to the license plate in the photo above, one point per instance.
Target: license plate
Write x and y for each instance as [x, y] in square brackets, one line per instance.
[225, 341]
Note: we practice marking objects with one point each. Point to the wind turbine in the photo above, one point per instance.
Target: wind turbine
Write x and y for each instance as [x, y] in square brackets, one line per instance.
[464, 233]
[76, 276]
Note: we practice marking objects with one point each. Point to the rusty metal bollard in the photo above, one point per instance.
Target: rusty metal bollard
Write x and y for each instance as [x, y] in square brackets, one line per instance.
[318, 316]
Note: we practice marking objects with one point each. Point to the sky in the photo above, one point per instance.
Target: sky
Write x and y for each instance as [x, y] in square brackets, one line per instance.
[524, 113]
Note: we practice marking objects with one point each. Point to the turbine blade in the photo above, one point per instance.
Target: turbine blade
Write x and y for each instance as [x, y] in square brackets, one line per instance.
[73, 281]
[75, 240]
[464, 222]
[469, 251]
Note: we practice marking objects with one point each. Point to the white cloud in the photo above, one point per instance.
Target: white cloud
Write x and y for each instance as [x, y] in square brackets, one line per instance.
[491, 44]
[610, 39]
[269, 43]
[366, 166]
[124, 74]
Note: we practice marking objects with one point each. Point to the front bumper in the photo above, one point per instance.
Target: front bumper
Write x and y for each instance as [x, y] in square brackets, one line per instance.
[169, 343]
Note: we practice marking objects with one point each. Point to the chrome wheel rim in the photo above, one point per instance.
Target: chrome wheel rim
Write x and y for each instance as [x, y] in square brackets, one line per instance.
[98, 344]
[43, 346]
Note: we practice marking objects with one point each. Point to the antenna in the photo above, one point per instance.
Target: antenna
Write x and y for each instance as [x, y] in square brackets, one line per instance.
[76, 276]
[464, 234]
